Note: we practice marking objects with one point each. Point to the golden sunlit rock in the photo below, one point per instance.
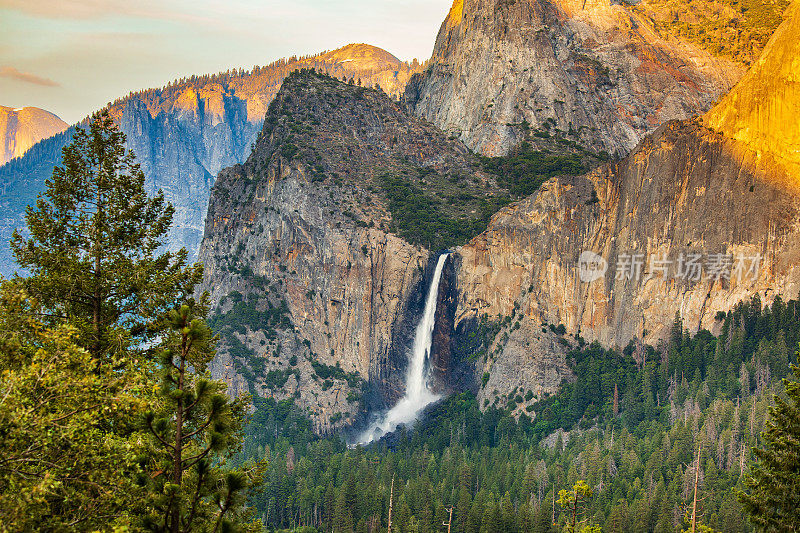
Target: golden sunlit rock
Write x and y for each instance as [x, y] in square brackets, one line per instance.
[763, 110]
[22, 128]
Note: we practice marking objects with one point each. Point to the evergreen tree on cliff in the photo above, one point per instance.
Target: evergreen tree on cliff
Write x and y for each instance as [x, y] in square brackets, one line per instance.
[772, 496]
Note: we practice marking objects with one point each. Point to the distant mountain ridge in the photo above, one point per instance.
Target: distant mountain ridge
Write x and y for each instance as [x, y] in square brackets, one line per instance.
[186, 132]
[23, 127]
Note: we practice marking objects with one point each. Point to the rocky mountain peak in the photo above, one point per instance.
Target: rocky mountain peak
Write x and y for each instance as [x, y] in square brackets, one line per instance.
[310, 225]
[23, 127]
[363, 56]
[455, 15]
[597, 69]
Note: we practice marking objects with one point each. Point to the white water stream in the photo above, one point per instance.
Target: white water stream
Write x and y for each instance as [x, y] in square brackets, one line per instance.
[417, 395]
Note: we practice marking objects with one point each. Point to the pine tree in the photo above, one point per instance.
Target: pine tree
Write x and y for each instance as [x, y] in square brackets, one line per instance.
[92, 254]
[575, 502]
[193, 434]
[100, 290]
[772, 495]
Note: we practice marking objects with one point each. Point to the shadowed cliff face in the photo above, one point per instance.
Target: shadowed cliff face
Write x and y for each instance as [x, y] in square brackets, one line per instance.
[593, 67]
[442, 363]
[185, 133]
[181, 151]
[304, 222]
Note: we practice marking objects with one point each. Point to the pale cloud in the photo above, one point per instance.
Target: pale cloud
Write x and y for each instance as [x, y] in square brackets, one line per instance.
[10, 72]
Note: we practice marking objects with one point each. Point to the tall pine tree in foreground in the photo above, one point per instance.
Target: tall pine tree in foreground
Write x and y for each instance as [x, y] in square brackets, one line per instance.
[772, 497]
[193, 433]
[78, 345]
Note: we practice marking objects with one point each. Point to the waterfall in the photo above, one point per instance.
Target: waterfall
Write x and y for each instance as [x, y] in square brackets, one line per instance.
[417, 395]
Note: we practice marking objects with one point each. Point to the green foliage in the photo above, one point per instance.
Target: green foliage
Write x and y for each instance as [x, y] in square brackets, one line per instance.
[78, 367]
[195, 430]
[478, 341]
[699, 526]
[60, 464]
[753, 342]
[441, 213]
[245, 314]
[244, 317]
[671, 400]
[524, 170]
[422, 218]
[276, 379]
[738, 29]
[773, 484]
[274, 424]
[335, 372]
[575, 501]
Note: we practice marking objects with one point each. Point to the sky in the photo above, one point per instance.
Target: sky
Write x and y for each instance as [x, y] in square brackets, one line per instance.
[71, 57]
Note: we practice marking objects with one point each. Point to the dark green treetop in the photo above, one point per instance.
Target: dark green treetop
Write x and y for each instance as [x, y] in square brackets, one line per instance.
[772, 495]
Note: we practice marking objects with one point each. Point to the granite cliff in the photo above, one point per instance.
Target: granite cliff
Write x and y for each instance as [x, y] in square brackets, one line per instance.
[319, 224]
[185, 133]
[595, 69]
[763, 111]
[22, 128]
[302, 230]
[692, 222]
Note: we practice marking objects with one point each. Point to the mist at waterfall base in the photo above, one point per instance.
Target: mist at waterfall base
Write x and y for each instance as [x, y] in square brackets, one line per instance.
[418, 395]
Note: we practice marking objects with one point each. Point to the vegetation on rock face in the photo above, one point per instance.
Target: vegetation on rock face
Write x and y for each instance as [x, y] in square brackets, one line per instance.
[525, 169]
[738, 29]
[384, 164]
[436, 219]
[78, 340]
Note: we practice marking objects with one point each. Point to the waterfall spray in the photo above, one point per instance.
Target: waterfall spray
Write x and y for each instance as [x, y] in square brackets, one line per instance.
[417, 395]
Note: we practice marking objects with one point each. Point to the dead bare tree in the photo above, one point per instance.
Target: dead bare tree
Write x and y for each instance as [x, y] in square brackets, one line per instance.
[449, 518]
